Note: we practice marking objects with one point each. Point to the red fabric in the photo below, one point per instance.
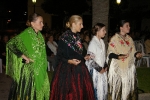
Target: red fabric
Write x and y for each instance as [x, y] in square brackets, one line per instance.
[72, 83]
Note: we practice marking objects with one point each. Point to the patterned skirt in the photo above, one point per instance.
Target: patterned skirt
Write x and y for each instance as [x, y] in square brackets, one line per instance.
[71, 83]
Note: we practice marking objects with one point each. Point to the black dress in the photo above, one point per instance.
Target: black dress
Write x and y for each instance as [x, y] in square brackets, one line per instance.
[3, 50]
[71, 82]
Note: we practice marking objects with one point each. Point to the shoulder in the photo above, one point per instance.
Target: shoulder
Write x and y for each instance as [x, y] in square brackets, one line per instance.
[61, 43]
[54, 42]
[48, 43]
[129, 38]
[92, 44]
[113, 38]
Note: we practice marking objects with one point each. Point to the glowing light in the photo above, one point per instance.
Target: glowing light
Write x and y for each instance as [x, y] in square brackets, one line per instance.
[34, 1]
[118, 2]
[9, 20]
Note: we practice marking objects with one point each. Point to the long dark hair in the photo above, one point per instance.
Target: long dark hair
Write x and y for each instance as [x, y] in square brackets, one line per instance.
[120, 24]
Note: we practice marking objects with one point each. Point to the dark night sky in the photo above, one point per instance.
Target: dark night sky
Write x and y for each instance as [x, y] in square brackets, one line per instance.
[17, 8]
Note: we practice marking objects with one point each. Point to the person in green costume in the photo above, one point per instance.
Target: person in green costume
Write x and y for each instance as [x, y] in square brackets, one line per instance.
[27, 63]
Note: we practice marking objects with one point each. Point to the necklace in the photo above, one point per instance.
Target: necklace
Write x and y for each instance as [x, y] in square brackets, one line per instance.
[122, 36]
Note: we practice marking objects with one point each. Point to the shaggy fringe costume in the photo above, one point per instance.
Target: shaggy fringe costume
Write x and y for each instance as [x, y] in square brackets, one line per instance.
[98, 53]
[122, 73]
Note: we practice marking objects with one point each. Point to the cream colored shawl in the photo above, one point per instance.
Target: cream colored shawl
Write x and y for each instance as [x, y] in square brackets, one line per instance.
[121, 72]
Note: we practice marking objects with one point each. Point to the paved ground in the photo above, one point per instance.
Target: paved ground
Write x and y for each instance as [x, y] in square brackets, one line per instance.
[144, 96]
[5, 83]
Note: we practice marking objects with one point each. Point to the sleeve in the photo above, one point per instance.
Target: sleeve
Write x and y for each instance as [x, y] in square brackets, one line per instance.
[113, 55]
[98, 69]
[84, 51]
[111, 51]
[61, 53]
[12, 46]
[92, 52]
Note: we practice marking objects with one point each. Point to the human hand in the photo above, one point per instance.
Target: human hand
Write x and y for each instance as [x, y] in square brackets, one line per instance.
[123, 56]
[139, 55]
[52, 55]
[74, 61]
[27, 60]
[106, 69]
[102, 71]
[87, 57]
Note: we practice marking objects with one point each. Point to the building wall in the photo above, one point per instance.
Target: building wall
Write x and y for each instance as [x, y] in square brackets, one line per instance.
[38, 9]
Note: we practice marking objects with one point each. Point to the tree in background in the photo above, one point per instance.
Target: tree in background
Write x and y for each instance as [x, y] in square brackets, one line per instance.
[100, 12]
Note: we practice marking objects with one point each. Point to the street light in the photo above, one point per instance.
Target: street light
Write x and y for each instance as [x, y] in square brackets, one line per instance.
[118, 1]
[34, 1]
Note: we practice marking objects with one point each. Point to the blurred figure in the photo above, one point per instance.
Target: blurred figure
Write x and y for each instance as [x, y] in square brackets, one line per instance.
[147, 45]
[86, 40]
[3, 49]
[50, 54]
[52, 44]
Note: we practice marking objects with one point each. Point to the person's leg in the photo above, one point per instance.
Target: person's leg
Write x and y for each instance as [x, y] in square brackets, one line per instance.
[51, 60]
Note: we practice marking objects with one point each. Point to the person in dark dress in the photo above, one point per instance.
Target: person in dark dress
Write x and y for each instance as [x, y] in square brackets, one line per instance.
[71, 80]
[50, 54]
[3, 49]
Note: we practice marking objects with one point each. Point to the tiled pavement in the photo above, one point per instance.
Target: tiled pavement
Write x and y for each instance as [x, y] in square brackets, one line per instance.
[5, 83]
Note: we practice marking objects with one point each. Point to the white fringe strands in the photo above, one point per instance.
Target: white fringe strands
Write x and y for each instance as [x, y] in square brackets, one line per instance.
[121, 79]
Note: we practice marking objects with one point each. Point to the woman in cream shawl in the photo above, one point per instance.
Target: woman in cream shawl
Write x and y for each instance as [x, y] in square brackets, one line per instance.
[122, 72]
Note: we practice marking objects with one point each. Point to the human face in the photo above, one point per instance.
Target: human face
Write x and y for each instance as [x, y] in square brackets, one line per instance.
[101, 33]
[87, 39]
[51, 38]
[125, 28]
[5, 39]
[37, 24]
[78, 26]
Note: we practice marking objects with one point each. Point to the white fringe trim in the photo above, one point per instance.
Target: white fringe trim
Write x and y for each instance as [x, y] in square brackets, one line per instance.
[100, 83]
[126, 80]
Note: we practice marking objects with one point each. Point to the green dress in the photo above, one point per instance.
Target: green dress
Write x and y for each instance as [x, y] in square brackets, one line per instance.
[30, 81]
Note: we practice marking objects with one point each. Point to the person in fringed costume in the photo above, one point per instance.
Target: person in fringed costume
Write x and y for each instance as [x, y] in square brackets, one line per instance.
[97, 64]
[71, 80]
[122, 72]
[27, 63]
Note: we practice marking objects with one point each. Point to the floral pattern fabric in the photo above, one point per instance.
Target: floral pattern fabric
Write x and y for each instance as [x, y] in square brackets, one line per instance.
[73, 40]
[121, 75]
